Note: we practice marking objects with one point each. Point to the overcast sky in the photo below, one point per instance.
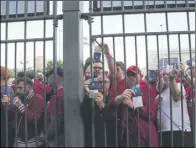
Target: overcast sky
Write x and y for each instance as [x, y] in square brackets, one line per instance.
[112, 25]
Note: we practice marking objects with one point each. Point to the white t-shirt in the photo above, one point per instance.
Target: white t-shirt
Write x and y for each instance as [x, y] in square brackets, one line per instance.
[165, 121]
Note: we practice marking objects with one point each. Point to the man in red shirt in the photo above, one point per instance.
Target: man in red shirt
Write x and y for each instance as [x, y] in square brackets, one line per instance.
[143, 125]
[33, 105]
[56, 112]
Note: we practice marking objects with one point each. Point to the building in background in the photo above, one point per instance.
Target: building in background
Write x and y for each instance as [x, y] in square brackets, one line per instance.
[174, 57]
[39, 63]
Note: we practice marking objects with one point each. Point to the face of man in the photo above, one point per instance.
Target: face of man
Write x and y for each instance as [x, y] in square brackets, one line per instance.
[119, 72]
[97, 67]
[103, 85]
[20, 89]
[132, 78]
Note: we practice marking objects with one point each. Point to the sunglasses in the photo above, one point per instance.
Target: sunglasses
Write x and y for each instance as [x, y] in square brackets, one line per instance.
[131, 74]
[99, 68]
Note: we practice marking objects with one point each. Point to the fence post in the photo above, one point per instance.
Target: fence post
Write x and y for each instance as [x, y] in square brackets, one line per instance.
[73, 73]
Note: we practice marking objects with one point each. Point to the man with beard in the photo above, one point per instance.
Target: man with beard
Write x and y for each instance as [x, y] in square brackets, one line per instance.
[31, 105]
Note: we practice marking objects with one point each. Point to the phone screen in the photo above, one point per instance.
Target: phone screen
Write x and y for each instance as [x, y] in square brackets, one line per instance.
[93, 85]
[137, 90]
[153, 75]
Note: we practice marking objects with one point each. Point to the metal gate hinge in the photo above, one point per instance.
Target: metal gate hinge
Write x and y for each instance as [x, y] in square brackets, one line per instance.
[87, 17]
[55, 22]
[56, 19]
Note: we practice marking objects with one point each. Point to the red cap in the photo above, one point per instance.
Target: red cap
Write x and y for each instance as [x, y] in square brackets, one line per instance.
[134, 69]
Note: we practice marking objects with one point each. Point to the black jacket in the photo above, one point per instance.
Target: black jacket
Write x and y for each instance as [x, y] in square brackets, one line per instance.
[103, 120]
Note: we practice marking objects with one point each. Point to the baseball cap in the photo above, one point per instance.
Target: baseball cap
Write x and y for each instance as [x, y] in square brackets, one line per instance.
[134, 69]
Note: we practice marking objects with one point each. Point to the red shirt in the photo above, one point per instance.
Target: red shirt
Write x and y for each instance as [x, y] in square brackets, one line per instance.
[59, 101]
[116, 90]
[153, 91]
[142, 124]
[190, 95]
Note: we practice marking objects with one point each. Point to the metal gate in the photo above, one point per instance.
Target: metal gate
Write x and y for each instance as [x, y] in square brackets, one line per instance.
[146, 43]
[130, 28]
[20, 20]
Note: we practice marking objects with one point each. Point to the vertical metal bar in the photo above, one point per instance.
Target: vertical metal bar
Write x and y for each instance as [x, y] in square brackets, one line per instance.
[35, 8]
[194, 111]
[182, 99]
[115, 83]
[154, 3]
[122, 5]
[168, 46]
[125, 61]
[34, 63]
[55, 25]
[112, 5]
[25, 37]
[186, 3]
[92, 75]
[133, 4]
[160, 106]
[149, 100]
[104, 95]
[6, 54]
[176, 4]
[44, 71]
[16, 114]
[138, 111]
[101, 6]
[73, 53]
[190, 50]
[16, 8]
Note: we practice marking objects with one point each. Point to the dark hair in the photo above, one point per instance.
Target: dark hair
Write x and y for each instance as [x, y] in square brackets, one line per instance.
[30, 74]
[88, 62]
[20, 74]
[59, 72]
[121, 65]
[27, 80]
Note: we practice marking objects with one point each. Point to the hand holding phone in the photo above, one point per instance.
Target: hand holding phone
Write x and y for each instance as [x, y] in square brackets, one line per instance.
[136, 89]
[137, 99]
[93, 89]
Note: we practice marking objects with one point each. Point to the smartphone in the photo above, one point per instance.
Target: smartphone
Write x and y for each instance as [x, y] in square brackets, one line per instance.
[137, 90]
[97, 54]
[93, 84]
[153, 74]
[93, 88]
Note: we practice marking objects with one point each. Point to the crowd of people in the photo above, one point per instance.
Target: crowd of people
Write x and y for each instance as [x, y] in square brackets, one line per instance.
[120, 108]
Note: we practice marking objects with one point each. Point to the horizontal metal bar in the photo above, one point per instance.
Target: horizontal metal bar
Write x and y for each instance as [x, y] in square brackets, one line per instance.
[35, 18]
[137, 11]
[142, 34]
[27, 40]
